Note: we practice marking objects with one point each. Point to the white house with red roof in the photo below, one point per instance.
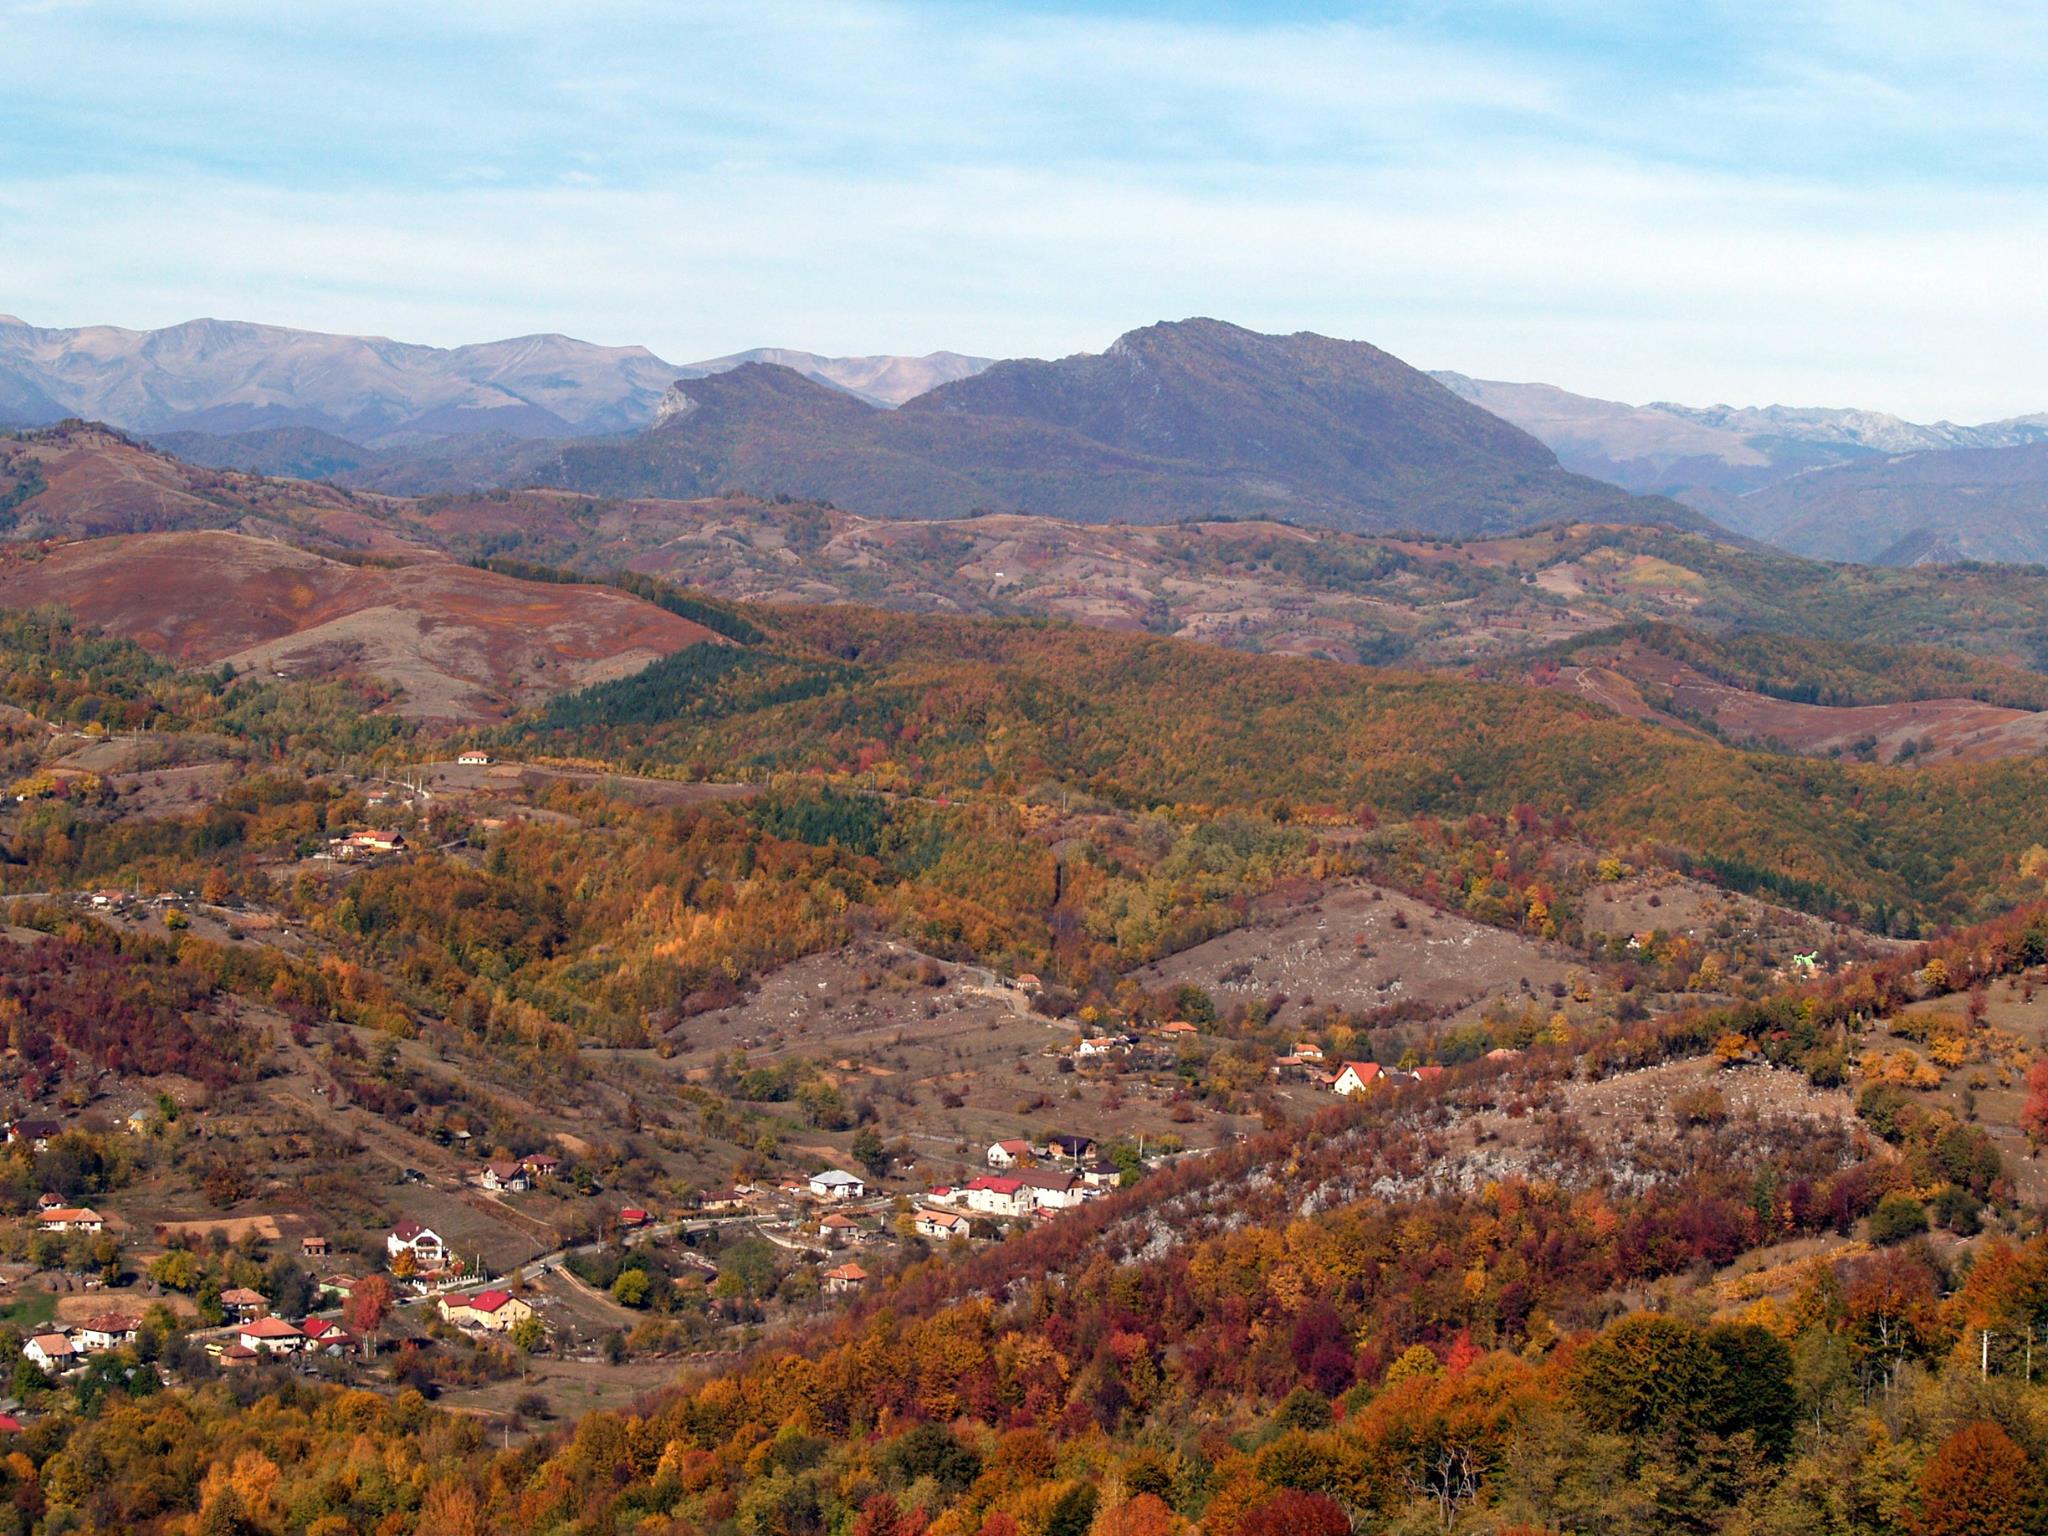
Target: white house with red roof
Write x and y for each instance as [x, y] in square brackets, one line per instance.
[1008, 1154]
[1356, 1077]
[422, 1242]
[999, 1195]
[941, 1224]
[272, 1334]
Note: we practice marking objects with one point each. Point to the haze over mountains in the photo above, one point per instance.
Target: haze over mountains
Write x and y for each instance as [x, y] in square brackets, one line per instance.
[1832, 484]
[1174, 422]
[225, 377]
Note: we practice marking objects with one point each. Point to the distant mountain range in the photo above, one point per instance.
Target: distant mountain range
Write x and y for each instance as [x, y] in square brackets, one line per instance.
[1196, 419]
[1706, 454]
[227, 378]
[1173, 422]
[1832, 484]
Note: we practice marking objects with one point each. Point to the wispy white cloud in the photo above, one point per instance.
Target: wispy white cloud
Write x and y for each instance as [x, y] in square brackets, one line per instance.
[1731, 203]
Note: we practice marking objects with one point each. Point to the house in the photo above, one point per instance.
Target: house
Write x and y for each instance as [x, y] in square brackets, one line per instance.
[632, 1218]
[9, 1424]
[1502, 1053]
[423, 1243]
[847, 1277]
[722, 1202]
[1355, 1077]
[365, 845]
[944, 1194]
[72, 1218]
[314, 1247]
[494, 1311]
[51, 1352]
[1008, 1154]
[37, 1133]
[998, 1195]
[1428, 1074]
[1073, 1148]
[506, 1178]
[270, 1334]
[1178, 1029]
[110, 1330]
[339, 1286]
[542, 1165]
[1097, 1046]
[839, 1229]
[236, 1356]
[941, 1224]
[1307, 1050]
[48, 1202]
[329, 1338]
[241, 1303]
[1101, 1175]
[474, 759]
[837, 1184]
[1050, 1190]
[1027, 981]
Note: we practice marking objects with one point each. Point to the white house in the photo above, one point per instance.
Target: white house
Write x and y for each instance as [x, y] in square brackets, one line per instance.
[69, 1218]
[941, 1224]
[51, 1352]
[474, 759]
[1052, 1191]
[999, 1195]
[423, 1243]
[1008, 1154]
[110, 1330]
[847, 1277]
[273, 1334]
[507, 1178]
[1356, 1077]
[837, 1184]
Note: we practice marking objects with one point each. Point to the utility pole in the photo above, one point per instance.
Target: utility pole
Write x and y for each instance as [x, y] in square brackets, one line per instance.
[1983, 1352]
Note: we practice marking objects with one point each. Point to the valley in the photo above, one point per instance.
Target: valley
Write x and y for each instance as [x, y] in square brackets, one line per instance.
[495, 973]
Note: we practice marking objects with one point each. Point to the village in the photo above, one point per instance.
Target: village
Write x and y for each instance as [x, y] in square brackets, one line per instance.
[517, 1253]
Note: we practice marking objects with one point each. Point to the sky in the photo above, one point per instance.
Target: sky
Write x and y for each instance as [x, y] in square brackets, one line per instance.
[1813, 202]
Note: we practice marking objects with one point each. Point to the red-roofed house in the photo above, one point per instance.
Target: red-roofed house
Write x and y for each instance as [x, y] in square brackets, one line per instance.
[999, 1195]
[1008, 1154]
[941, 1224]
[423, 1243]
[494, 1310]
[270, 1333]
[1356, 1077]
[847, 1277]
[72, 1218]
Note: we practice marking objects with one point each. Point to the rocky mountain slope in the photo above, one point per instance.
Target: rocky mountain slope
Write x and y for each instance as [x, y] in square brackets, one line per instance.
[1173, 422]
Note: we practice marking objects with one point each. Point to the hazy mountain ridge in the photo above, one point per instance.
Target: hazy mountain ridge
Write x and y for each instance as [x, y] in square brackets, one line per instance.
[884, 381]
[1834, 484]
[1174, 422]
[230, 378]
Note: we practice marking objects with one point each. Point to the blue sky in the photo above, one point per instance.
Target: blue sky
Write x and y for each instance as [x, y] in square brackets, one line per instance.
[1815, 203]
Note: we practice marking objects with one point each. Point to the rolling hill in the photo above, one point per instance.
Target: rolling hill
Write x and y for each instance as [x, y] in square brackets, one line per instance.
[460, 644]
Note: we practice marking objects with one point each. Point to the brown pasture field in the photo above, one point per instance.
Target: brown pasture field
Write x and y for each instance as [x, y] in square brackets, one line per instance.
[1358, 947]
